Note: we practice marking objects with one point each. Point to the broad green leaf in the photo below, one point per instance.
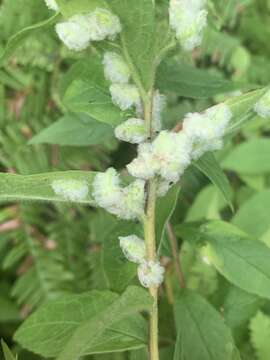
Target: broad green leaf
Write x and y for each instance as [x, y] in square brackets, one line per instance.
[88, 323]
[39, 186]
[117, 269]
[138, 36]
[164, 209]
[242, 109]
[7, 353]
[251, 157]
[8, 310]
[89, 93]
[17, 38]
[141, 354]
[207, 205]
[260, 334]
[189, 81]
[239, 306]
[208, 165]
[74, 130]
[201, 331]
[253, 216]
[72, 7]
[133, 300]
[243, 261]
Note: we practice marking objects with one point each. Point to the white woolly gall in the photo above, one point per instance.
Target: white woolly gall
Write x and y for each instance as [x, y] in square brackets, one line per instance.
[133, 248]
[125, 95]
[188, 19]
[151, 274]
[168, 156]
[144, 166]
[74, 33]
[133, 130]
[103, 24]
[107, 192]
[125, 202]
[52, 5]
[172, 152]
[116, 69]
[70, 189]
[163, 187]
[133, 201]
[262, 107]
[206, 130]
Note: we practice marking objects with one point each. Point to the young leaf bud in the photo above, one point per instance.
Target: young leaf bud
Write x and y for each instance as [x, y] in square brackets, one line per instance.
[262, 107]
[116, 69]
[151, 273]
[133, 130]
[125, 95]
[72, 190]
[133, 248]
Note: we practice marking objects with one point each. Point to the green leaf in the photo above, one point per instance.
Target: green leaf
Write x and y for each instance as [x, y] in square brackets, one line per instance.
[72, 7]
[253, 216]
[164, 209]
[207, 205]
[89, 323]
[240, 259]
[117, 269]
[7, 353]
[201, 331]
[188, 81]
[39, 186]
[209, 166]
[251, 157]
[138, 36]
[19, 37]
[8, 310]
[260, 334]
[74, 130]
[89, 93]
[239, 306]
[242, 109]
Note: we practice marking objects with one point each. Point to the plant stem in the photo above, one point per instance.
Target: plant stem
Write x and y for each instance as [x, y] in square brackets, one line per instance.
[150, 239]
[175, 253]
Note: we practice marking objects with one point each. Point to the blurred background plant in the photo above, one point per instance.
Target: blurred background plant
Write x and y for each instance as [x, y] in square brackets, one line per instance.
[47, 250]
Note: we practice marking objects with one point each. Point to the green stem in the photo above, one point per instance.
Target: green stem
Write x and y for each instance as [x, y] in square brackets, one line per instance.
[150, 239]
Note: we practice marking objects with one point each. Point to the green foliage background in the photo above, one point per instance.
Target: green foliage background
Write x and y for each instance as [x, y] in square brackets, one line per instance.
[51, 251]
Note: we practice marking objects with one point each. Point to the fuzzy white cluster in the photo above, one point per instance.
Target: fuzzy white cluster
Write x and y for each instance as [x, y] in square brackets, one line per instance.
[150, 273]
[52, 5]
[74, 32]
[125, 96]
[171, 153]
[206, 130]
[125, 202]
[188, 18]
[133, 131]
[78, 31]
[133, 248]
[262, 107]
[168, 157]
[116, 69]
[72, 190]
[159, 104]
